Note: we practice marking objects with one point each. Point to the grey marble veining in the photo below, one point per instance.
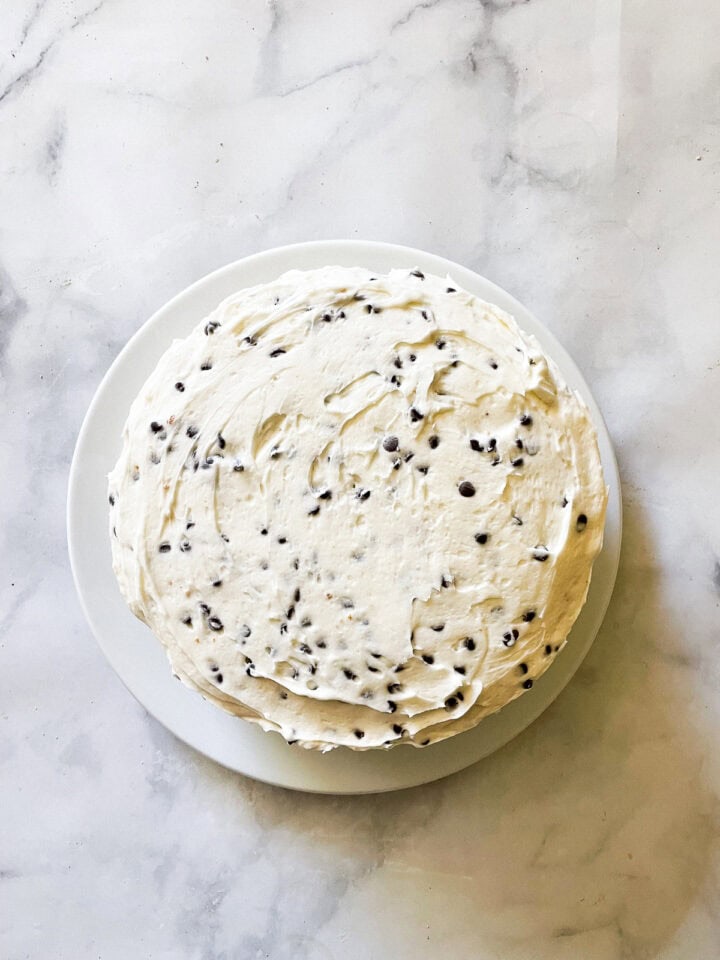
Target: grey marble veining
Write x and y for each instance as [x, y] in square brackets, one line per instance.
[571, 152]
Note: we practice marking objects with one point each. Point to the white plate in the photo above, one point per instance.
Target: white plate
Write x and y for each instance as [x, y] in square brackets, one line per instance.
[139, 659]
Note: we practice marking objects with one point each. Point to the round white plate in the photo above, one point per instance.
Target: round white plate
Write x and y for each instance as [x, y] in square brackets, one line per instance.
[139, 659]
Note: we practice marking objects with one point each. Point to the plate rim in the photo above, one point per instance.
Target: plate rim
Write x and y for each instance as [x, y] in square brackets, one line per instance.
[570, 371]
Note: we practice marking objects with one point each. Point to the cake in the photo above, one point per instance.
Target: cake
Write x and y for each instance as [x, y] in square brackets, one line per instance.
[357, 509]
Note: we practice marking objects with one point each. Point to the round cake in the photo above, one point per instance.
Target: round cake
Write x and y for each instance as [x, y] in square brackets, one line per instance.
[359, 510]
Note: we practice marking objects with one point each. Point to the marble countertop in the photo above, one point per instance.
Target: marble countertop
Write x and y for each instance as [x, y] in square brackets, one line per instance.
[570, 151]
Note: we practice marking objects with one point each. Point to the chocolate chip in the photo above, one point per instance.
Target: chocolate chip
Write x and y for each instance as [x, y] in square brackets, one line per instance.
[296, 595]
[304, 648]
[433, 442]
[180, 386]
[424, 743]
[519, 443]
[541, 554]
[438, 627]
[415, 415]
[363, 494]
[528, 616]
[451, 290]
[482, 537]
[192, 431]
[390, 444]
[526, 420]
[517, 462]
[217, 583]
[164, 547]
[264, 532]
[466, 489]
[251, 341]
[306, 622]
[350, 675]
[523, 667]
[394, 687]
[395, 381]
[290, 613]
[210, 327]
[397, 362]
[111, 499]
[321, 644]
[451, 703]
[492, 444]
[428, 658]
[527, 684]
[218, 678]
[460, 670]
[469, 643]
[392, 706]
[397, 464]
[245, 630]
[581, 523]
[187, 621]
[314, 512]
[493, 364]
[215, 623]
[238, 467]
[221, 441]
[444, 582]
[156, 427]
[548, 649]
[476, 446]
[204, 608]
[282, 539]
[185, 546]
[412, 358]
[423, 469]
[408, 457]
[373, 669]
[207, 463]
[359, 734]
[277, 352]
[417, 273]
[326, 495]
[206, 366]
[517, 520]
[508, 639]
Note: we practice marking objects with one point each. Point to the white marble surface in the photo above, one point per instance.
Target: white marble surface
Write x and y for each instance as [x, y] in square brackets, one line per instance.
[569, 150]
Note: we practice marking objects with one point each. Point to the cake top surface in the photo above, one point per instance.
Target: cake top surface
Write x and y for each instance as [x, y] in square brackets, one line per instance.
[358, 509]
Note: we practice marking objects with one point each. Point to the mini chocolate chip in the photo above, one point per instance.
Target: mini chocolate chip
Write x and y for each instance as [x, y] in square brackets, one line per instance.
[493, 364]
[185, 546]
[390, 444]
[517, 520]
[206, 366]
[415, 415]
[264, 531]
[238, 467]
[397, 464]
[363, 494]
[399, 668]
[541, 554]
[359, 734]
[528, 616]
[412, 358]
[523, 667]
[424, 314]
[441, 344]
[296, 595]
[245, 630]
[221, 441]
[423, 469]
[433, 442]
[548, 649]
[189, 525]
[218, 678]
[111, 498]
[187, 621]
[290, 613]
[277, 352]
[476, 446]
[156, 427]
[215, 623]
[282, 539]
[251, 341]
[394, 687]
[326, 317]
[211, 326]
[519, 443]
[306, 622]
[204, 608]
[373, 669]
[469, 643]
[283, 628]
[438, 627]
[217, 583]
[392, 706]
[581, 522]
[424, 743]
[428, 658]
[444, 582]
[408, 457]
[508, 639]
[164, 547]
[347, 603]
[180, 386]
[304, 648]
[460, 670]
[451, 703]
[517, 462]
[527, 684]
[397, 363]
[314, 512]
[395, 381]
[482, 537]
[526, 420]
[207, 463]
[564, 502]
[326, 495]
[418, 274]
[192, 431]
[466, 489]
[350, 675]
[451, 290]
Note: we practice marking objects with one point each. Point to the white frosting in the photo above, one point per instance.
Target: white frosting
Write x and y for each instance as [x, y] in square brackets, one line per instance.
[305, 577]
